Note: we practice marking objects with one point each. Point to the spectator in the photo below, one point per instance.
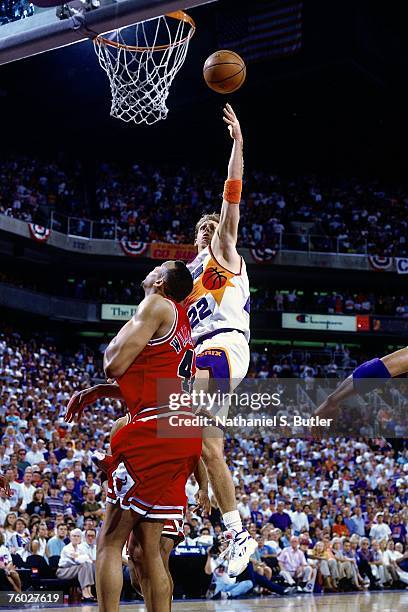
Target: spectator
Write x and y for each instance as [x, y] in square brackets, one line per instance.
[75, 563]
[68, 461]
[7, 568]
[89, 545]
[27, 491]
[91, 508]
[280, 519]
[22, 462]
[339, 528]
[34, 455]
[40, 533]
[69, 509]
[58, 541]
[38, 505]
[364, 560]
[4, 507]
[189, 540]
[54, 501]
[344, 564]
[398, 530]
[224, 586]
[19, 541]
[359, 522]
[299, 520]
[293, 563]
[391, 556]
[91, 484]
[320, 556]
[380, 530]
[15, 489]
[350, 554]
[378, 567]
[244, 508]
[9, 526]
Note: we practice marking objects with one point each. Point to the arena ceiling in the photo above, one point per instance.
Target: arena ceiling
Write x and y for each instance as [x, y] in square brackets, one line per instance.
[339, 103]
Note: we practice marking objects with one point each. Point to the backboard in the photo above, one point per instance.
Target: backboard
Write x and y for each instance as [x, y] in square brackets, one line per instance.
[44, 31]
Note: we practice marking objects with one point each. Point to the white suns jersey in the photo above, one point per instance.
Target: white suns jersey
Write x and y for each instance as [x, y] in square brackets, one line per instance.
[219, 299]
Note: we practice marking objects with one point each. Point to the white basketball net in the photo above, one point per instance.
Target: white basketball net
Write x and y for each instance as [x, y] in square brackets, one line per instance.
[141, 69]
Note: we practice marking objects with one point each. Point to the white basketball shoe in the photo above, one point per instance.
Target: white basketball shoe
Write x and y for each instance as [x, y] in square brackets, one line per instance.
[241, 547]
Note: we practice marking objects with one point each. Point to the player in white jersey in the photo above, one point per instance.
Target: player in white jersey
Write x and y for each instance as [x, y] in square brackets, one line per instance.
[218, 309]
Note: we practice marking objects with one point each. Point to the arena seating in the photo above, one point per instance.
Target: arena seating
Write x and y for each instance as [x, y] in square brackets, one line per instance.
[298, 213]
[321, 484]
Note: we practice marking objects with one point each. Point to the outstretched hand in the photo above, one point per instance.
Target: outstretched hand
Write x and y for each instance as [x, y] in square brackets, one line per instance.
[4, 484]
[79, 401]
[231, 120]
[203, 502]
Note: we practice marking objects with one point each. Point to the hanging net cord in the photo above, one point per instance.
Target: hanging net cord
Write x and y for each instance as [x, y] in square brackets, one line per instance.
[141, 62]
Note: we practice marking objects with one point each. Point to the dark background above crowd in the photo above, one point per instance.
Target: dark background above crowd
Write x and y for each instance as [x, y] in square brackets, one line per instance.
[337, 107]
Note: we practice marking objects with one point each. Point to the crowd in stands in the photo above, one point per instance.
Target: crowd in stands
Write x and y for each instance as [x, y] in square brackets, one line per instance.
[31, 188]
[148, 203]
[13, 10]
[262, 298]
[329, 514]
[362, 217]
[341, 502]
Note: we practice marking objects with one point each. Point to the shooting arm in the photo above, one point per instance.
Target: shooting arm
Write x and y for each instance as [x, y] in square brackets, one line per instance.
[225, 239]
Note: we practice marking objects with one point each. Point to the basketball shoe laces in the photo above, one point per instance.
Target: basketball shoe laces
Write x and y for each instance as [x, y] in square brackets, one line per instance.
[241, 547]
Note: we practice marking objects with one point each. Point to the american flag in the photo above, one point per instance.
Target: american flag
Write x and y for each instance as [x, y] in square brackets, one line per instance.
[261, 29]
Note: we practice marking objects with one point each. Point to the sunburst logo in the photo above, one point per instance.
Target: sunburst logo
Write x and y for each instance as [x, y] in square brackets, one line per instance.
[214, 279]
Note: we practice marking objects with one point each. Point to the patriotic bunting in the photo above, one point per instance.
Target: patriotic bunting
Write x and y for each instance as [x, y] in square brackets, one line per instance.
[380, 263]
[133, 249]
[263, 255]
[38, 232]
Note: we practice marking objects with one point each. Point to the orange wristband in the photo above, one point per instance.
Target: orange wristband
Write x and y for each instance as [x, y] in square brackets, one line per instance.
[232, 191]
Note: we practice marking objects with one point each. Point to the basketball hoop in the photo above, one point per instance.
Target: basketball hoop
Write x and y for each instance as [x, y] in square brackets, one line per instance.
[141, 62]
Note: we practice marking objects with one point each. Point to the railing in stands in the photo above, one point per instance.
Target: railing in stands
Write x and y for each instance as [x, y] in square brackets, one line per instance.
[106, 230]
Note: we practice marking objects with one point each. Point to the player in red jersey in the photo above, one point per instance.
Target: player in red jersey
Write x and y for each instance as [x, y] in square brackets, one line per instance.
[172, 533]
[147, 473]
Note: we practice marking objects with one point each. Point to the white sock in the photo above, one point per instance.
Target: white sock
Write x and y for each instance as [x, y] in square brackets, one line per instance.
[232, 521]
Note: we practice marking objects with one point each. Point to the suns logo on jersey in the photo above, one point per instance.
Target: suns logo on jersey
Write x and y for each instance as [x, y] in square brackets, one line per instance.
[214, 279]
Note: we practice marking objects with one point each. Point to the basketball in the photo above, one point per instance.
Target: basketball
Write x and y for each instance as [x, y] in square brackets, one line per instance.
[213, 279]
[224, 71]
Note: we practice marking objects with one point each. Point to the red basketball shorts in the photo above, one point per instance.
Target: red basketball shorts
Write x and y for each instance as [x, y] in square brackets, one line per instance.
[148, 473]
[174, 529]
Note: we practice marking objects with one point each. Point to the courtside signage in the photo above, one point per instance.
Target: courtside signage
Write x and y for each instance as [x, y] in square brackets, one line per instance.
[293, 320]
[117, 312]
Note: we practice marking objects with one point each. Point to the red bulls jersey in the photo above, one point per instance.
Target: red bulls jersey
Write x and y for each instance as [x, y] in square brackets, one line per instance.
[170, 357]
